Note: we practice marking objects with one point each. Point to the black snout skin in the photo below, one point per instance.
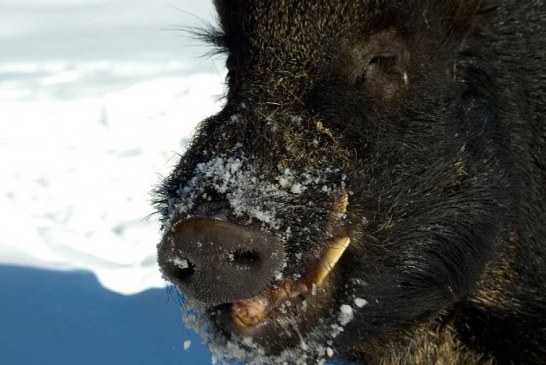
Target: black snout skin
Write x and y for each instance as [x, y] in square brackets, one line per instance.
[215, 261]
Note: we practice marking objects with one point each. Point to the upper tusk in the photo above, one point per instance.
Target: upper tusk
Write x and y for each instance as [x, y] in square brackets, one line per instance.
[330, 258]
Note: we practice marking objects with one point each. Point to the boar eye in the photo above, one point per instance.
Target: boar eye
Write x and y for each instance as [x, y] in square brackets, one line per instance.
[380, 64]
[386, 62]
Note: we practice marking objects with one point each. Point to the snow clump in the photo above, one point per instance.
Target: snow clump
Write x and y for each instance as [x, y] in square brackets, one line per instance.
[359, 302]
[346, 314]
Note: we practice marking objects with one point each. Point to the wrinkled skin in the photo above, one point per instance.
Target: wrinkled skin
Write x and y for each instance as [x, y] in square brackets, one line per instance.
[430, 116]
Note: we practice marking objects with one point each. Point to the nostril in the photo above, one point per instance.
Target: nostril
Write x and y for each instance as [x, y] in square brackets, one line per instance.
[182, 271]
[246, 258]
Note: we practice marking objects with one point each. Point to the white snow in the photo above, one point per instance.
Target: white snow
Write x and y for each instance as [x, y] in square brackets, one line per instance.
[346, 314]
[181, 263]
[359, 302]
[226, 174]
[76, 174]
[87, 127]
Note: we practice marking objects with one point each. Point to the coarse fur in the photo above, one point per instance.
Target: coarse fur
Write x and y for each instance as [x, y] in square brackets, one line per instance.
[431, 116]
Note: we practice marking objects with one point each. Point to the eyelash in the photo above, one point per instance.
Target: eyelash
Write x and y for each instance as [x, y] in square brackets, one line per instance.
[386, 62]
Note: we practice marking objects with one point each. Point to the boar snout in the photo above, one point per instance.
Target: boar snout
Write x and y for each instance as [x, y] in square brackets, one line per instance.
[215, 261]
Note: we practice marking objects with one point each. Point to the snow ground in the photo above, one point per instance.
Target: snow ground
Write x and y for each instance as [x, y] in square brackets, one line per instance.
[90, 119]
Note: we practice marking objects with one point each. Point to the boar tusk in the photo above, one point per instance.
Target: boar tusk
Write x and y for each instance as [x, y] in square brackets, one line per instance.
[330, 258]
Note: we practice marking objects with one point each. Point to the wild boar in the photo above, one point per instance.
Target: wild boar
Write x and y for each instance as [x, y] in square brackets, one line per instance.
[374, 188]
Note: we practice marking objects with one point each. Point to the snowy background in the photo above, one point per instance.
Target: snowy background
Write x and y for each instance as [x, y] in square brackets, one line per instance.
[96, 99]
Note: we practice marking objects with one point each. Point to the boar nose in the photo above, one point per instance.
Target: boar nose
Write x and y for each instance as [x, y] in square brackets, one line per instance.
[215, 261]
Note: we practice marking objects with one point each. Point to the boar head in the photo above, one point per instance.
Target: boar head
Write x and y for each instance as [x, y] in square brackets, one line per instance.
[352, 185]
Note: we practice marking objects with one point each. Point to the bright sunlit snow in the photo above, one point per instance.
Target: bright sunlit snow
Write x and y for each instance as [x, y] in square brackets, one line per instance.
[89, 126]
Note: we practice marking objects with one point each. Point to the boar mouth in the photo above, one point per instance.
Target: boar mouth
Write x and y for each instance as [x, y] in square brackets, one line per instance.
[292, 306]
[277, 308]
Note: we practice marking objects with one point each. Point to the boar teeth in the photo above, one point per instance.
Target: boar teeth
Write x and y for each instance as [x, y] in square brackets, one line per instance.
[329, 259]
